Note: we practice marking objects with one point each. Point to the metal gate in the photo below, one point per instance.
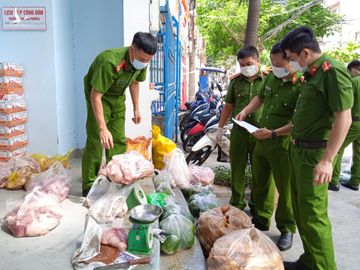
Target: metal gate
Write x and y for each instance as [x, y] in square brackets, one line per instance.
[165, 73]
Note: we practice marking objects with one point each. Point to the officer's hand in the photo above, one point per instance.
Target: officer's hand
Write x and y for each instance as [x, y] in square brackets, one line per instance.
[262, 133]
[137, 117]
[322, 172]
[241, 116]
[219, 134]
[106, 138]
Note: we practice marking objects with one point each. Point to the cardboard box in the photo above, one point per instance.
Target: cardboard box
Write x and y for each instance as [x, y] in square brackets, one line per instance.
[9, 69]
[13, 119]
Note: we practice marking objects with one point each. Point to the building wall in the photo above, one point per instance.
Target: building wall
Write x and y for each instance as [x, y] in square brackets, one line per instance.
[35, 50]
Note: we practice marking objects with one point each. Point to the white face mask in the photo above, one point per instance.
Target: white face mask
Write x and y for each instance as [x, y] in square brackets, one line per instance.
[248, 71]
[138, 64]
[280, 72]
[297, 67]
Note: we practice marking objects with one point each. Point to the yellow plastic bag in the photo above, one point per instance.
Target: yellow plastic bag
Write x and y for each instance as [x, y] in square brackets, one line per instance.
[140, 144]
[46, 162]
[160, 146]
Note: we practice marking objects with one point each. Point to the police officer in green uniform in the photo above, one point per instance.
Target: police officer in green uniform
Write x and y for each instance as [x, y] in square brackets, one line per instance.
[353, 137]
[271, 150]
[241, 90]
[321, 120]
[109, 75]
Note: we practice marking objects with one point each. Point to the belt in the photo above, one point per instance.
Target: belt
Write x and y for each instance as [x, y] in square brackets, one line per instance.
[310, 144]
[356, 118]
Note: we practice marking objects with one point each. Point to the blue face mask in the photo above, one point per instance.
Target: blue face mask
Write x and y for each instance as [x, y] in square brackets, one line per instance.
[138, 64]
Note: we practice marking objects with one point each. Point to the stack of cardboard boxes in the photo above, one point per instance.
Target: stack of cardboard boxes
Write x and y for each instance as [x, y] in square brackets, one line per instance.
[13, 116]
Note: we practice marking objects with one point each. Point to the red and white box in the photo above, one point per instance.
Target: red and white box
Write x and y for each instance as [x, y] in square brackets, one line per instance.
[8, 132]
[13, 143]
[9, 69]
[13, 119]
[5, 155]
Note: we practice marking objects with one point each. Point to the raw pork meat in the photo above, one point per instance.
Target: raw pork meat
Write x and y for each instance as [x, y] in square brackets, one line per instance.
[116, 237]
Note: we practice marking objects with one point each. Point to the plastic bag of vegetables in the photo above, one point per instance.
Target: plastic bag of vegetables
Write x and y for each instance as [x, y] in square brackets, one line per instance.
[202, 202]
[171, 244]
[162, 183]
[182, 227]
[172, 207]
[196, 189]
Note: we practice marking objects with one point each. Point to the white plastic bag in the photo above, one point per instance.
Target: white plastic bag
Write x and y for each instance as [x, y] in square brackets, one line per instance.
[38, 214]
[111, 205]
[98, 189]
[175, 165]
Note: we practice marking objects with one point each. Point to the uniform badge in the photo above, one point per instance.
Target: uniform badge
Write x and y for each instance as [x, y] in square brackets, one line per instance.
[293, 79]
[313, 70]
[326, 66]
[120, 66]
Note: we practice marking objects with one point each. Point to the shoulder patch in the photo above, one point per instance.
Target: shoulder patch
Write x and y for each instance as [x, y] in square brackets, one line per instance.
[302, 79]
[120, 66]
[294, 79]
[326, 66]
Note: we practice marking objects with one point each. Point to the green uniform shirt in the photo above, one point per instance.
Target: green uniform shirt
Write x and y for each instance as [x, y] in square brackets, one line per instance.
[279, 97]
[241, 91]
[355, 111]
[111, 73]
[327, 89]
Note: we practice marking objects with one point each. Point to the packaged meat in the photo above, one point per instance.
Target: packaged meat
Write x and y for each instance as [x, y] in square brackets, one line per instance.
[139, 144]
[55, 181]
[247, 249]
[128, 168]
[116, 237]
[175, 165]
[10, 69]
[201, 175]
[111, 205]
[45, 162]
[218, 222]
[38, 214]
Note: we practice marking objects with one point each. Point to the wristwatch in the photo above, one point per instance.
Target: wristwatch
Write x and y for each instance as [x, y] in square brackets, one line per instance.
[273, 134]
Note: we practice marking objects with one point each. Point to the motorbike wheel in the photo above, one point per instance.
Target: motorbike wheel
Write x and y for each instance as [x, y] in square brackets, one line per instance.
[184, 120]
[199, 157]
[191, 140]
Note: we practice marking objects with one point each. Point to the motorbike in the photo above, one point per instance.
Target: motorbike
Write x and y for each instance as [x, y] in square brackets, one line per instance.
[203, 148]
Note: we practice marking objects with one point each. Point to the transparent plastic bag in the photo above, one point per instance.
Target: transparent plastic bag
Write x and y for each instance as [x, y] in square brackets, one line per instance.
[98, 189]
[217, 222]
[247, 249]
[111, 205]
[180, 226]
[201, 175]
[175, 165]
[38, 214]
[45, 162]
[54, 181]
[201, 202]
[128, 168]
[196, 189]
[162, 183]
[172, 207]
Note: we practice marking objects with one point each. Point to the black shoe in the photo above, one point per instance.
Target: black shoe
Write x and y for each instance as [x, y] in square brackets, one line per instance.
[259, 225]
[285, 241]
[295, 266]
[85, 192]
[334, 187]
[349, 185]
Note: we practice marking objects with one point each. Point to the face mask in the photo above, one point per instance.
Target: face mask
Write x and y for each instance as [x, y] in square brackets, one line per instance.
[297, 67]
[280, 72]
[138, 64]
[248, 71]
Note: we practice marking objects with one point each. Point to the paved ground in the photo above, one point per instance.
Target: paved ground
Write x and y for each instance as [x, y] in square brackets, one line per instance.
[344, 212]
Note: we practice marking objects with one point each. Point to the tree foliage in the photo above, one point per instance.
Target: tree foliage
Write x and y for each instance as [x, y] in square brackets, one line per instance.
[222, 23]
[347, 53]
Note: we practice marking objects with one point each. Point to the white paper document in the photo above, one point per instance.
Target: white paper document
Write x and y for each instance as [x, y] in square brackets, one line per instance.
[249, 127]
